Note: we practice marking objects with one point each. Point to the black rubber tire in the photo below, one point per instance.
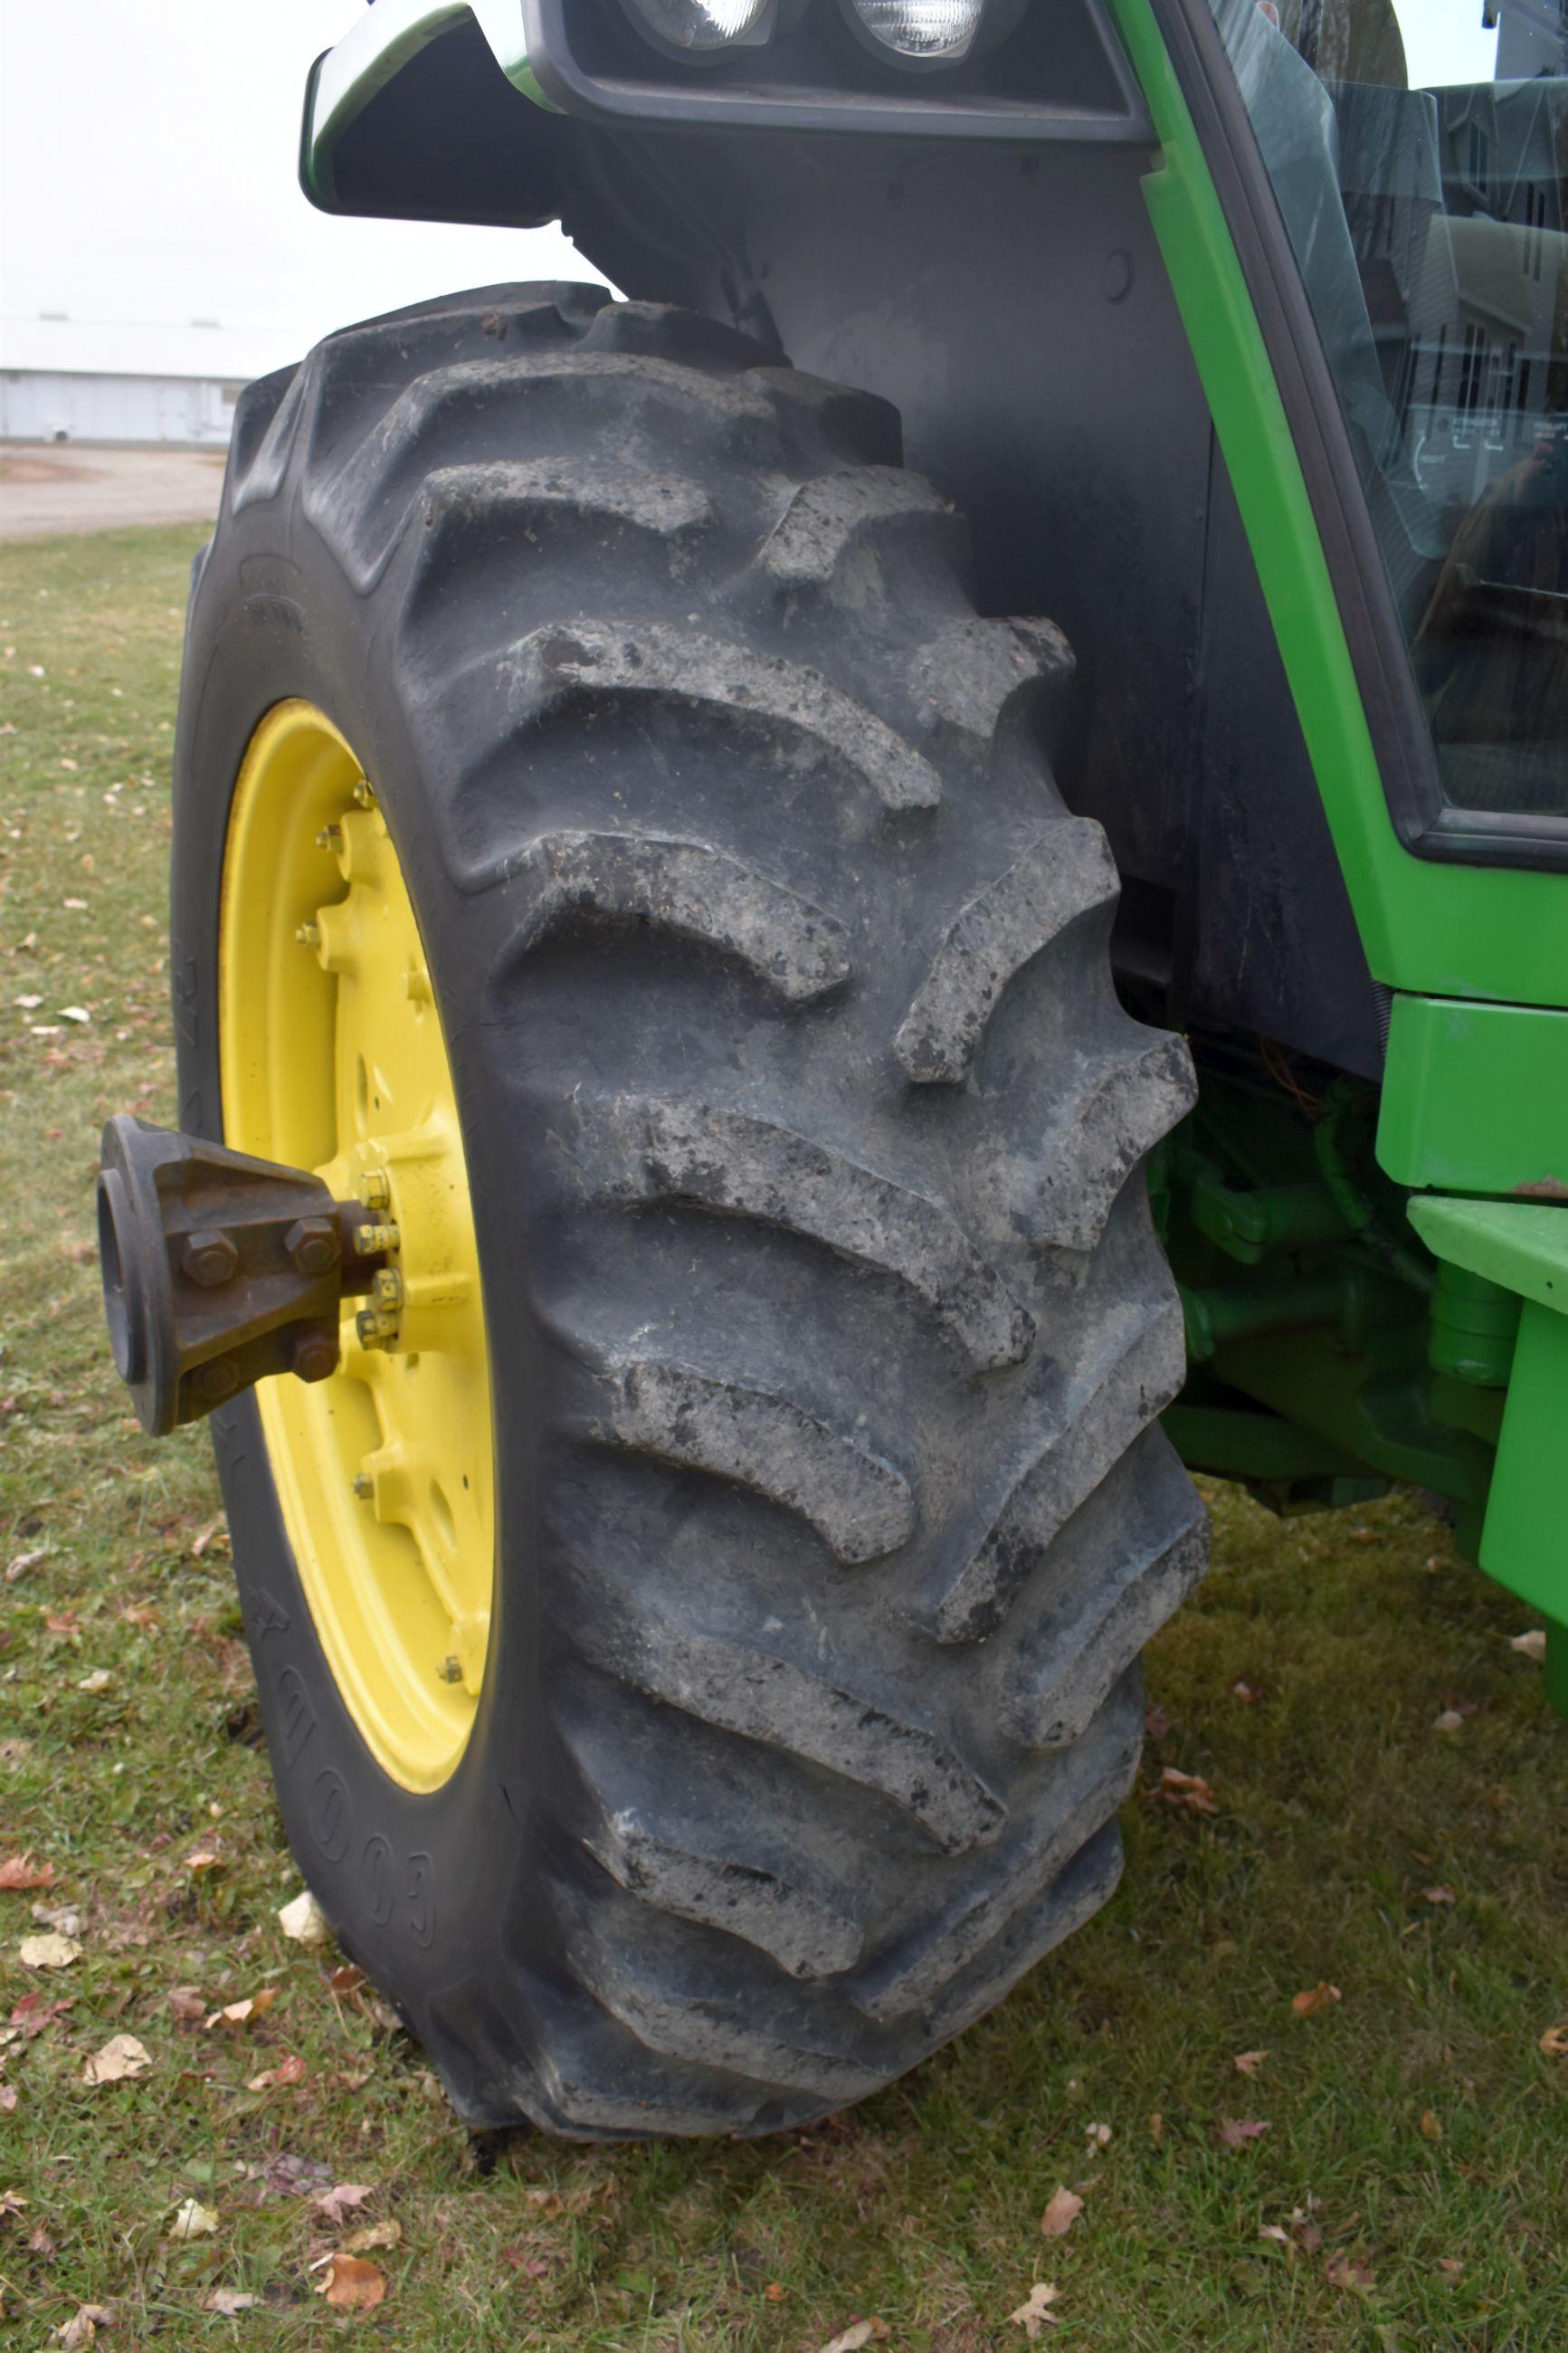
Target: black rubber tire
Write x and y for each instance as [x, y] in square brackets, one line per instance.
[804, 1131]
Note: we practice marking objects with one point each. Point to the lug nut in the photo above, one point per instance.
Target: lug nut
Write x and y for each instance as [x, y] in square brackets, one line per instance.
[209, 1258]
[219, 1379]
[374, 1189]
[313, 1245]
[330, 837]
[364, 1485]
[315, 1356]
[364, 793]
[309, 935]
[371, 1242]
[451, 1670]
[377, 1329]
[388, 1290]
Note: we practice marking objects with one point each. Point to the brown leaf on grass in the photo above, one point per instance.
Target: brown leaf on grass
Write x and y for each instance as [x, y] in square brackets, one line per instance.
[205, 1858]
[1439, 1895]
[1553, 2043]
[1531, 1645]
[19, 1874]
[1098, 2136]
[230, 2302]
[304, 1920]
[343, 2199]
[246, 2012]
[1275, 2231]
[214, 1532]
[51, 1952]
[1236, 2132]
[120, 2058]
[1035, 2313]
[188, 2004]
[1304, 2231]
[1449, 1721]
[1247, 1693]
[860, 2332]
[289, 2070]
[7, 2099]
[1186, 1790]
[1157, 1725]
[373, 2235]
[1431, 2128]
[346, 1981]
[1156, 2127]
[1062, 2212]
[1343, 2271]
[83, 2326]
[351, 2285]
[1322, 1996]
[35, 2013]
[1248, 2062]
[1450, 2266]
[193, 2221]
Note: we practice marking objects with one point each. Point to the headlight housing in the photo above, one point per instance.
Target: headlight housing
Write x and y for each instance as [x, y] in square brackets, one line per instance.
[928, 31]
[697, 27]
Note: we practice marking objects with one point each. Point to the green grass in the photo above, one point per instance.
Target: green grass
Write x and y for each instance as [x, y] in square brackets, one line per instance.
[1338, 1805]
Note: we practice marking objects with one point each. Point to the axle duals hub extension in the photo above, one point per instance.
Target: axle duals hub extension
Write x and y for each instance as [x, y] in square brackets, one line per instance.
[218, 1269]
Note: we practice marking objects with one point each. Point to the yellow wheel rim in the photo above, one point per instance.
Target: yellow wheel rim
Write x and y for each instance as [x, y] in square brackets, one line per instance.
[332, 1060]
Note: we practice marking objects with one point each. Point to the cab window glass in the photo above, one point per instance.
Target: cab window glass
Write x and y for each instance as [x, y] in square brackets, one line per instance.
[1418, 150]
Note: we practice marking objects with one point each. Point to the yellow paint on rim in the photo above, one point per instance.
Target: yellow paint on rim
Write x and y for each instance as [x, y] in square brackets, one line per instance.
[332, 1060]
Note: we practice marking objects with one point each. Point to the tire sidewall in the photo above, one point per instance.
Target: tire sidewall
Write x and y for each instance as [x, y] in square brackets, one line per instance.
[427, 1891]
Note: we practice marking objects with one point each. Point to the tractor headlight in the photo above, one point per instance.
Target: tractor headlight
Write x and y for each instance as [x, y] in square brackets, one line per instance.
[688, 25]
[937, 30]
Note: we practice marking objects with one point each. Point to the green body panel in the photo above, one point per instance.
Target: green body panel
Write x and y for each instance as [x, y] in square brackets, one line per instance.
[1520, 1246]
[1474, 1097]
[1440, 929]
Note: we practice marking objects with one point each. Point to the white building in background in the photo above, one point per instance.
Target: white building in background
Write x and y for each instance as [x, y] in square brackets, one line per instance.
[68, 379]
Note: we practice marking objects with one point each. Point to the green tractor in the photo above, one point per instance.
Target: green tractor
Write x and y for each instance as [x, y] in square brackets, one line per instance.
[792, 1000]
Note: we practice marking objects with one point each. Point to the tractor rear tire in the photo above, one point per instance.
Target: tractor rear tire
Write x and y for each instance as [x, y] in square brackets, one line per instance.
[827, 1326]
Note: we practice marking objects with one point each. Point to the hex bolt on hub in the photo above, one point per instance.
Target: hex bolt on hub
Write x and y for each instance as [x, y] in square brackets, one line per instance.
[219, 1270]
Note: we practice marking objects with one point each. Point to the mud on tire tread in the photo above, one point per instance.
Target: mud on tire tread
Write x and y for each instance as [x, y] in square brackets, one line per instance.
[776, 975]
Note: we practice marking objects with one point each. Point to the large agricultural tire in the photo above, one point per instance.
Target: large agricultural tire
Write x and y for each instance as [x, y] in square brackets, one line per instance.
[827, 1326]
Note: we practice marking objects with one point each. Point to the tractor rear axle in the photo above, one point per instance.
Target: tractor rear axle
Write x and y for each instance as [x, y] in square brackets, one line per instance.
[219, 1269]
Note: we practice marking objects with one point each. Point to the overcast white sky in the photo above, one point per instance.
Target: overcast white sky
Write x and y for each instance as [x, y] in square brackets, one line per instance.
[147, 162]
[147, 176]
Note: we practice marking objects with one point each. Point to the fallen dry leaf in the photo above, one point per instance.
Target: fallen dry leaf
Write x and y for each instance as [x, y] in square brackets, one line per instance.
[1450, 2266]
[373, 2235]
[1248, 2062]
[1235, 2132]
[1059, 2216]
[1188, 1790]
[230, 2302]
[1098, 2136]
[1531, 1645]
[100, 1679]
[1156, 2127]
[1439, 1895]
[1035, 2313]
[860, 2332]
[1341, 2271]
[1431, 2129]
[205, 1858]
[193, 2221]
[344, 2199]
[242, 2013]
[1449, 1721]
[35, 2011]
[83, 2326]
[188, 2004]
[351, 2285]
[214, 1531]
[1554, 2042]
[19, 1874]
[1249, 1693]
[1322, 1996]
[1275, 2231]
[120, 2058]
[1157, 1725]
[51, 1952]
[289, 2070]
[304, 1920]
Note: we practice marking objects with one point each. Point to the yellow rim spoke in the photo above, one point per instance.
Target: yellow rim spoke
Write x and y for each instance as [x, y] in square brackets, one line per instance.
[333, 1060]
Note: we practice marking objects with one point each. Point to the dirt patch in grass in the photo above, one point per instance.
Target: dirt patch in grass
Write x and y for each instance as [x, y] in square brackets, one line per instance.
[1386, 2169]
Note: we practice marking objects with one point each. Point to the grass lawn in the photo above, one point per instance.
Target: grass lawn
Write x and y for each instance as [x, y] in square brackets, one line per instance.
[1404, 2181]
